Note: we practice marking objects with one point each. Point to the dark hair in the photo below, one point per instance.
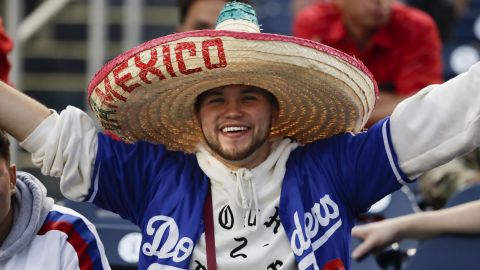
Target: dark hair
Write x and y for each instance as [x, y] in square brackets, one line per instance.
[4, 146]
[273, 100]
[184, 6]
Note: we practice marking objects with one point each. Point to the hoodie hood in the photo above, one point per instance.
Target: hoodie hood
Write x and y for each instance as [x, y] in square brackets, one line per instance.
[30, 208]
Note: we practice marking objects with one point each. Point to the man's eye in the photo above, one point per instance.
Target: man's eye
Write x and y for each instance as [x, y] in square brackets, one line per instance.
[215, 100]
[249, 98]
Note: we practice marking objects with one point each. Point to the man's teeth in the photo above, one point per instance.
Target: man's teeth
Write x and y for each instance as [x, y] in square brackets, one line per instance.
[233, 129]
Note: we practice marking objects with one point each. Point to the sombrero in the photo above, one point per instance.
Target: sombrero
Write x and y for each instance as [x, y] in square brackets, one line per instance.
[148, 93]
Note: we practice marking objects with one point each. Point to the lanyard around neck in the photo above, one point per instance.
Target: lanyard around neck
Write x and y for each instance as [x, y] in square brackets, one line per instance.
[209, 232]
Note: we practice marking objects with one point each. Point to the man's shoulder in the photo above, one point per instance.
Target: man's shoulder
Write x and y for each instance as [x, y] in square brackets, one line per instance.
[320, 22]
[139, 149]
[65, 220]
[324, 146]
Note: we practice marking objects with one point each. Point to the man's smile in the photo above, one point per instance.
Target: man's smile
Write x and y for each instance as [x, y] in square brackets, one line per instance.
[235, 132]
[229, 129]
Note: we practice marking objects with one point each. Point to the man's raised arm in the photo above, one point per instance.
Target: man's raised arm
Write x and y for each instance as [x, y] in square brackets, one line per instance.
[438, 123]
[19, 114]
[63, 145]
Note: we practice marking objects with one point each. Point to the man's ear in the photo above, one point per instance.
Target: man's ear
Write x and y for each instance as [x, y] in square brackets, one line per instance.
[13, 177]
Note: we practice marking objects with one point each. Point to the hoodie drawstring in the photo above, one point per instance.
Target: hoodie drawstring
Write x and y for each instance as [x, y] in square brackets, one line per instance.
[246, 193]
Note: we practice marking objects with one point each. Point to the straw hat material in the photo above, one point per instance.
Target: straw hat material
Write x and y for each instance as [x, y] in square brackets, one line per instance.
[148, 93]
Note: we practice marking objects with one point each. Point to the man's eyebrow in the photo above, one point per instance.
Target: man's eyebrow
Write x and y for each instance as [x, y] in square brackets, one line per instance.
[213, 92]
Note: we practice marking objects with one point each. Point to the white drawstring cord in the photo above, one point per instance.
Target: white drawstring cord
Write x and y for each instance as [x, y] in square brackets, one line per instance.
[245, 184]
[241, 200]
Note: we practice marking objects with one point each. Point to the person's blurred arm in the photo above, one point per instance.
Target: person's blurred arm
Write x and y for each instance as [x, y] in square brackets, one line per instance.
[463, 218]
[19, 114]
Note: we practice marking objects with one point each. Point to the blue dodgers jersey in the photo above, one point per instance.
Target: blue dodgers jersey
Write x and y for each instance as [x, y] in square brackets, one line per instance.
[163, 192]
[327, 183]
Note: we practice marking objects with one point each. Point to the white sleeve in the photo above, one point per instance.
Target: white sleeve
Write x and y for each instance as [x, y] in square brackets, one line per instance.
[65, 146]
[438, 123]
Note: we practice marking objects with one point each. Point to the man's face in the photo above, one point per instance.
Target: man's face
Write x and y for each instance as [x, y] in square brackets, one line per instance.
[202, 15]
[7, 189]
[236, 122]
[367, 13]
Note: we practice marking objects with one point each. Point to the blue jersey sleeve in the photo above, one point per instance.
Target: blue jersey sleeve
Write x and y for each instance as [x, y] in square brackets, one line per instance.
[365, 165]
[127, 176]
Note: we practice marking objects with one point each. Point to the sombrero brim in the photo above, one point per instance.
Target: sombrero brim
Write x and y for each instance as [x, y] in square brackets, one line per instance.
[148, 93]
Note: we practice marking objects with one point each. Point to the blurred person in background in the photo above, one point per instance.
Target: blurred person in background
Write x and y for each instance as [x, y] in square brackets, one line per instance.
[298, 5]
[35, 233]
[399, 44]
[472, 159]
[200, 14]
[442, 12]
[438, 185]
[6, 46]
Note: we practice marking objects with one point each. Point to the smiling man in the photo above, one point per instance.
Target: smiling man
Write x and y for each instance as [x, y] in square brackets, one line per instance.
[240, 149]
[236, 122]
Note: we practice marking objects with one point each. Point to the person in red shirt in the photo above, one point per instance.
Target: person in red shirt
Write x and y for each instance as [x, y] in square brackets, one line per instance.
[399, 44]
[6, 46]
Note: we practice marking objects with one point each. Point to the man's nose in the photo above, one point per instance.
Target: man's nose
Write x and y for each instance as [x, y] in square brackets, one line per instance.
[233, 109]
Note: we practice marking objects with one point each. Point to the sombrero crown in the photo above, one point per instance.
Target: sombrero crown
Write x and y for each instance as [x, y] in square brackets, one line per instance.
[148, 93]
